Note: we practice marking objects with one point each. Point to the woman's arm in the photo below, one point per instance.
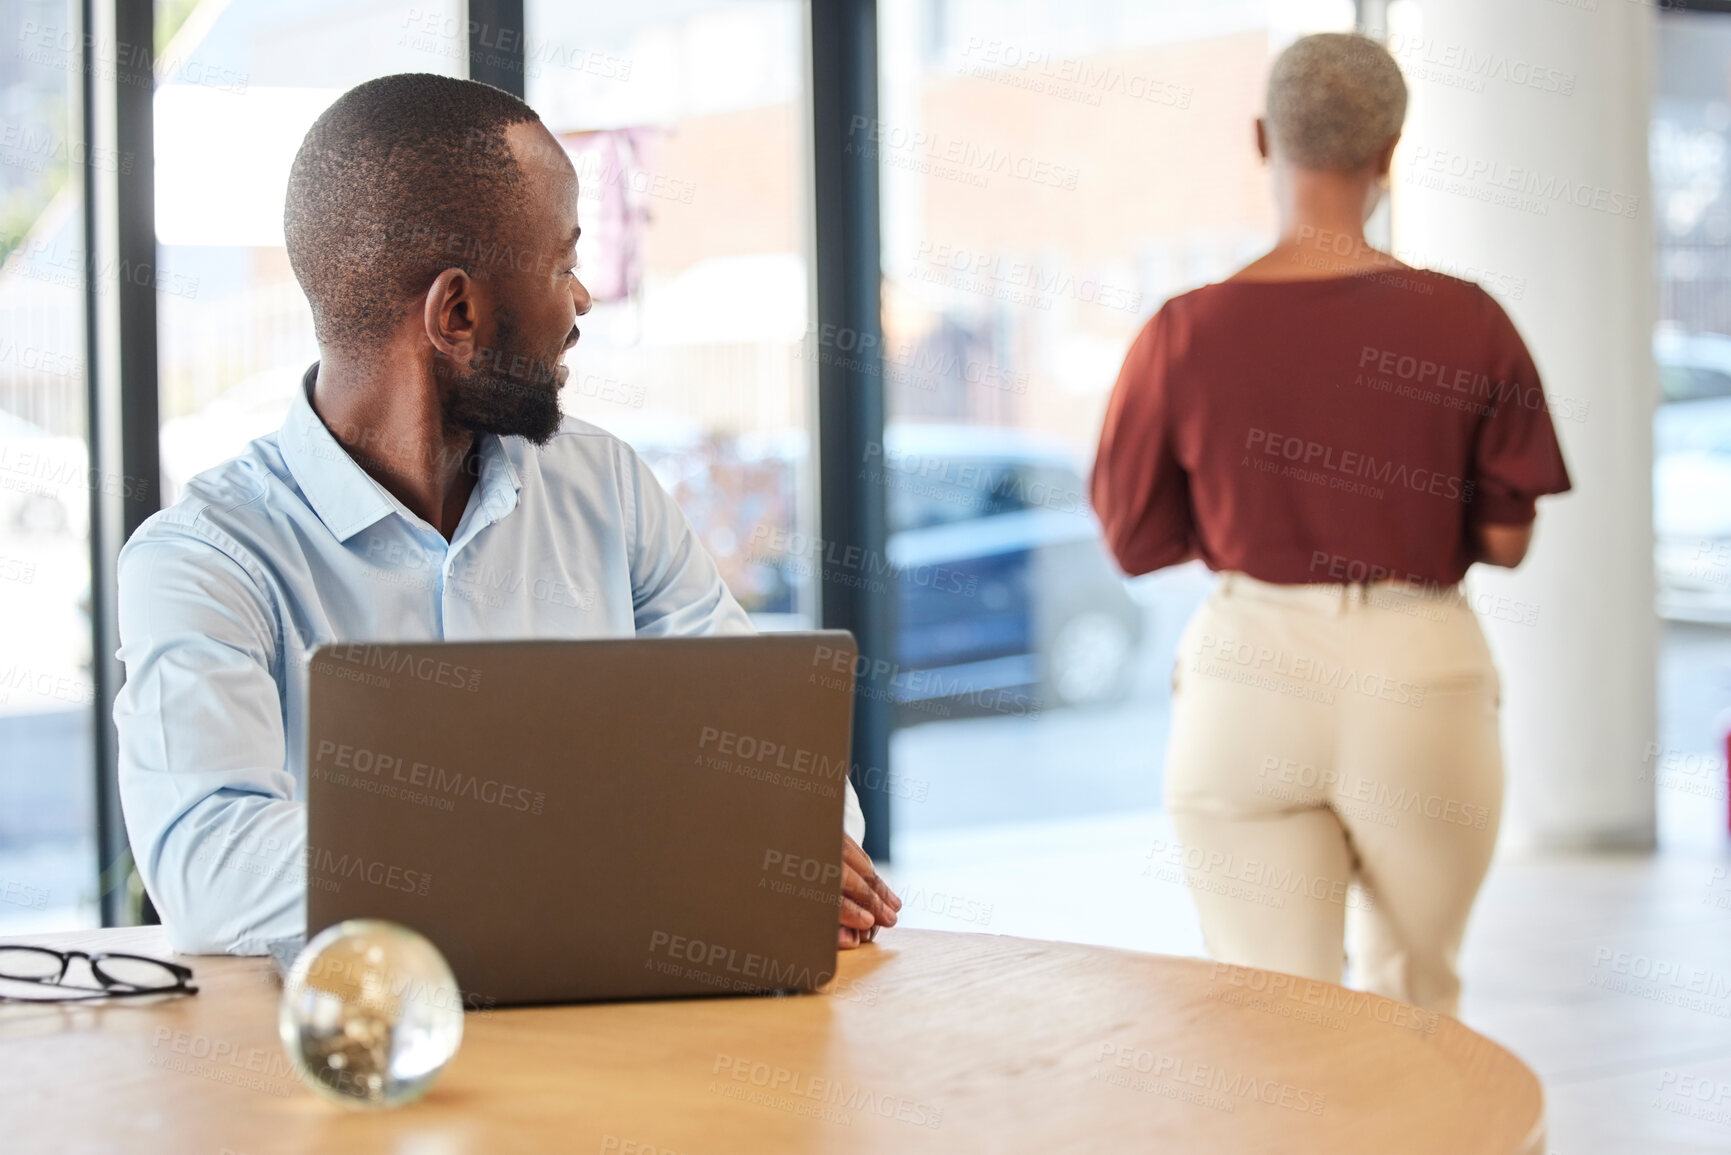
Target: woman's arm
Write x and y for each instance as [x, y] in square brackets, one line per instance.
[1503, 545]
[1139, 490]
[1516, 458]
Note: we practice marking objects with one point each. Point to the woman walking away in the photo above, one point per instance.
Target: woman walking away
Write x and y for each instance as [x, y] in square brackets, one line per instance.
[1339, 436]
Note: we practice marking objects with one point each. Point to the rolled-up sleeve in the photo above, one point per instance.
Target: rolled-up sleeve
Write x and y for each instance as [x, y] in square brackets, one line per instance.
[219, 840]
[1140, 490]
[676, 589]
[1516, 458]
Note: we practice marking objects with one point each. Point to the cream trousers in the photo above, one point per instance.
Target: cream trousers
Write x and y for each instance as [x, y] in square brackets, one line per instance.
[1334, 760]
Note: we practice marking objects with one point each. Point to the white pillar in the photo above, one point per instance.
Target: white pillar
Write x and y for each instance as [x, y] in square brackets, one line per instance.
[1535, 184]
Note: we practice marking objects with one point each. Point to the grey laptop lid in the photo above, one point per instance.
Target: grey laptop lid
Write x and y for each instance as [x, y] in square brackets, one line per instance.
[576, 820]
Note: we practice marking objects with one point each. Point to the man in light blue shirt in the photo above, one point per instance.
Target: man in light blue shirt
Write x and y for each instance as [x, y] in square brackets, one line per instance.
[423, 487]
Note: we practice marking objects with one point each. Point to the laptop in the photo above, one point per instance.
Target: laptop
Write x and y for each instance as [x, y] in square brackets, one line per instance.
[587, 820]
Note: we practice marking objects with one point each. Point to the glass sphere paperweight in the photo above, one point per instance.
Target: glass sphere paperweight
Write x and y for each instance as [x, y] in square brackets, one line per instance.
[370, 1014]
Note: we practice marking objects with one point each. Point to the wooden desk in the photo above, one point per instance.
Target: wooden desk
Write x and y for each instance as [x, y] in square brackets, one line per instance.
[928, 1041]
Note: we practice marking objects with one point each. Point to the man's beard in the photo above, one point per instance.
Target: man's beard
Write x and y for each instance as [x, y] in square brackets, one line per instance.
[486, 397]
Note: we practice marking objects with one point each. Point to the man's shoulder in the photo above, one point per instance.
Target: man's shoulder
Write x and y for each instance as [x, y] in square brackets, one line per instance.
[579, 454]
[584, 436]
[215, 507]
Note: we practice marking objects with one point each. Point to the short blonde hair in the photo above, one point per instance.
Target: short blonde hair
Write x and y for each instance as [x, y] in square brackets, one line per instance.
[1335, 100]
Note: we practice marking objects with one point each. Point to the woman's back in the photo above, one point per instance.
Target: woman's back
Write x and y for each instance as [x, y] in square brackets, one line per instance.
[1344, 448]
[1349, 428]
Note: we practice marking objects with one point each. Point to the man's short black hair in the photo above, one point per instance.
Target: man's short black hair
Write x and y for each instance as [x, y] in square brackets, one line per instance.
[403, 177]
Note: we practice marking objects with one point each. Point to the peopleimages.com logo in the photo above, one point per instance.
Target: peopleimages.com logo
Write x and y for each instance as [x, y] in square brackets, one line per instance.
[328, 863]
[724, 965]
[351, 765]
[821, 1097]
[358, 661]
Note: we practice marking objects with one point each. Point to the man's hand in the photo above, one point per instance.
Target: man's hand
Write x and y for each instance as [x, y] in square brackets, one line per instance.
[867, 902]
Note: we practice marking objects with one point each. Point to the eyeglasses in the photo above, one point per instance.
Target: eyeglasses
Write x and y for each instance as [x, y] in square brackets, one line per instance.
[121, 975]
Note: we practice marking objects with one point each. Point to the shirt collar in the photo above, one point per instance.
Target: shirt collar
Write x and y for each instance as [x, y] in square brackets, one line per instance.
[347, 498]
[495, 494]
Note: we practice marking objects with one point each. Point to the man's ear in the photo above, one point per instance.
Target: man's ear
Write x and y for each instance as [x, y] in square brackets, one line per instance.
[1261, 138]
[450, 315]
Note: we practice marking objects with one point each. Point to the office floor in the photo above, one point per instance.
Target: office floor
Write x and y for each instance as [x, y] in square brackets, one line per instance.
[1610, 975]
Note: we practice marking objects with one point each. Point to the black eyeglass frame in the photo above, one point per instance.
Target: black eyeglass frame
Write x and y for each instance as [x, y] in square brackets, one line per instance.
[111, 988]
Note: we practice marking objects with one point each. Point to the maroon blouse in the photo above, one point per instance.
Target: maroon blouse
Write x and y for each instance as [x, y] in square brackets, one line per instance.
[1346, 429]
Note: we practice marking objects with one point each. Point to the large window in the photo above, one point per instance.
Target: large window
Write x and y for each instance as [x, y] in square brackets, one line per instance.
[239, 85]
[1051, 173]
[47, 850]
[1691, 165]
[693, 177]
[687, 125]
